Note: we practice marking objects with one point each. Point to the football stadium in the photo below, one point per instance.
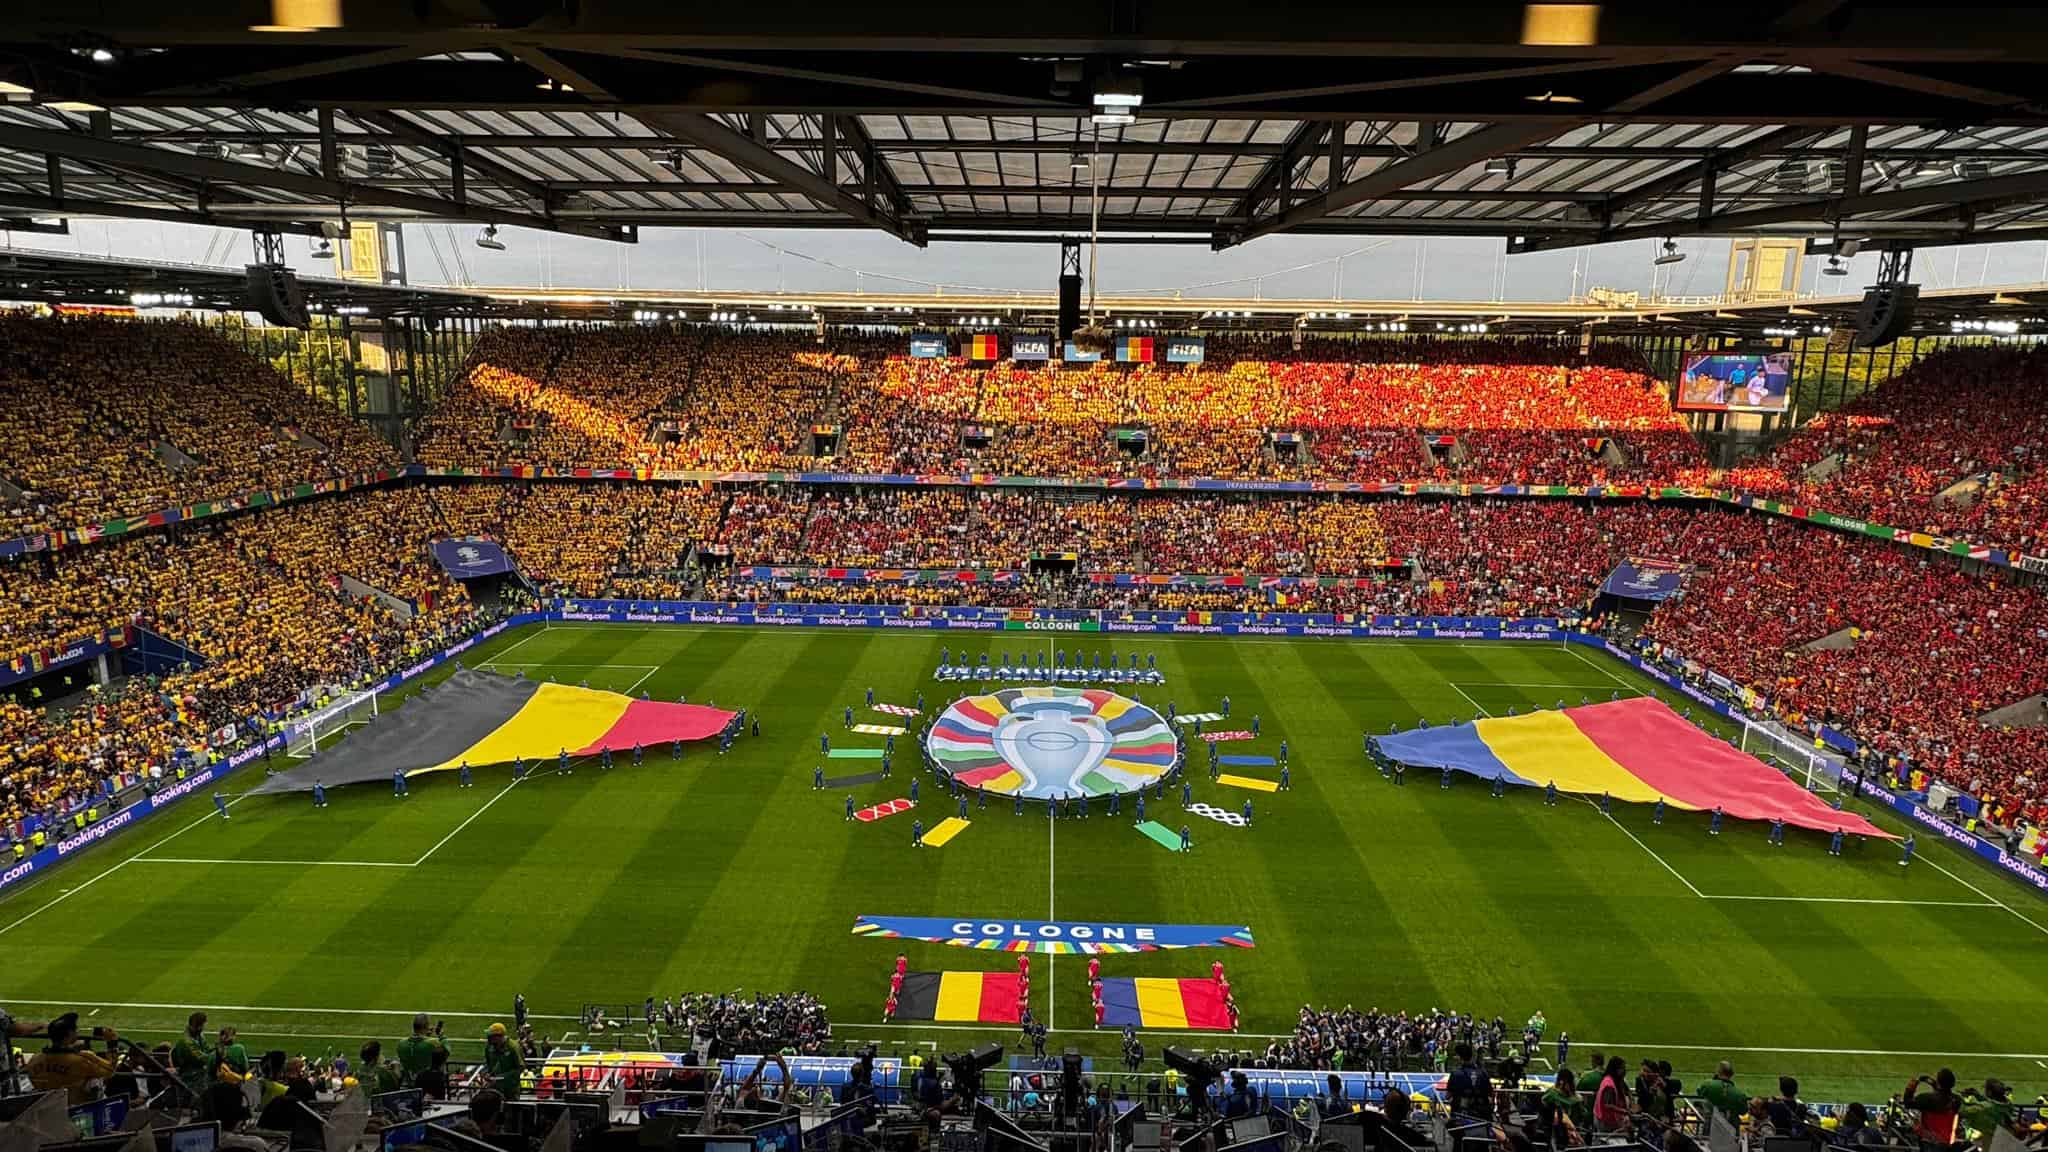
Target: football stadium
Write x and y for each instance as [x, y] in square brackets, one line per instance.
[586, 576]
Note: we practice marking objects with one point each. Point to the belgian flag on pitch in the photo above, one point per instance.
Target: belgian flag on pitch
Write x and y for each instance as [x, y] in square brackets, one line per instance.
[986, 997]
[982, 346]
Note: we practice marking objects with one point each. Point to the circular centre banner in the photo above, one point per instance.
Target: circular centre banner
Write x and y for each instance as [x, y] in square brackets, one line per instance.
[1046, 742]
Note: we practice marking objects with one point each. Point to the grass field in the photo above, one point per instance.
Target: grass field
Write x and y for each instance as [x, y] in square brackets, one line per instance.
[310, 928]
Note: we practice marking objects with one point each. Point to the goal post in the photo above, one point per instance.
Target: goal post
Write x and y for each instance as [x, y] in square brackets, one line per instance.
[308, 734]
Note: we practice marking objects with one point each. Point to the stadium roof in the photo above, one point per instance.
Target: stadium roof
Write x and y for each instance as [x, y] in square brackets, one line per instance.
[1551, 125]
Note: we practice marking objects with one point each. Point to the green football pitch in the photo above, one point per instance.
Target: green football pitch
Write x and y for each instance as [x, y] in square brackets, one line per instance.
[317, 928]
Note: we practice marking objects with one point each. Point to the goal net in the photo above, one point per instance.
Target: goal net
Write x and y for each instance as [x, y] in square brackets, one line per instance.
[1817, 769]
[312, 733]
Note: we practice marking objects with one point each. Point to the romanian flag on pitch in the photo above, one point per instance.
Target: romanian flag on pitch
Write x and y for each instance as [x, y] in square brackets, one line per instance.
[1147, 1002]
[1636, 749]
[982, 346]
[984, 997]
[1134, 348]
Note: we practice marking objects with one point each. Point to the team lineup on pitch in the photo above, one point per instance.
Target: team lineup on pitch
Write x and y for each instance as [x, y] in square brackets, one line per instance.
[637, 879]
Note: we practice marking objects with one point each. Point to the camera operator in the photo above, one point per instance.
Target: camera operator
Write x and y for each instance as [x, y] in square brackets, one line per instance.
[70, 1063]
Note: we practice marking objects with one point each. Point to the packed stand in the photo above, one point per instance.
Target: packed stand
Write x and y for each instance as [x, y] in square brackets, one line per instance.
[596, 399]
[258, 598]
[85, 405]
[906, 415]
[1964, 416]
[626, 540]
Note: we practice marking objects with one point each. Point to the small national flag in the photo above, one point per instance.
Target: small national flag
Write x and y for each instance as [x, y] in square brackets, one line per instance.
[886, 808]
[1135, 349]
[895, 709]
[982, 346]
[879, 729]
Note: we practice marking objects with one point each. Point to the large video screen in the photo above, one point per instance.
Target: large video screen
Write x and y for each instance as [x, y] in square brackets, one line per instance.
[1724, 383]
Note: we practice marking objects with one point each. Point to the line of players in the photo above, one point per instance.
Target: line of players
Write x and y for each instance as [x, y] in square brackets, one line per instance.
[1037, 668]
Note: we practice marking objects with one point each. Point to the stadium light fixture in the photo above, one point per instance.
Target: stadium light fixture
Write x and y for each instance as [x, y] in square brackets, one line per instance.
[1502, 166]
[324, 250]
[1113, 118]
[1119, 88]
[301, 16]
[1834, 267]
[488, 238]
[1670, 254]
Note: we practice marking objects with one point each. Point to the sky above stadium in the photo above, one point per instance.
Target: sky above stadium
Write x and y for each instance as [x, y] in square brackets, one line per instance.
[1278, 267]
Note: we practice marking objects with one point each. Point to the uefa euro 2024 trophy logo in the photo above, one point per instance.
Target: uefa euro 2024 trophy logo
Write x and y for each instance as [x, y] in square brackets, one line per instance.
[1045, 742]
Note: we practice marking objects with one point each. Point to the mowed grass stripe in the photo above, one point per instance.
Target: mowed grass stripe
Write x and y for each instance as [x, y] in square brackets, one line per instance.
[801, 844]
[1468, 908]
[1444, 875]
[733, 799]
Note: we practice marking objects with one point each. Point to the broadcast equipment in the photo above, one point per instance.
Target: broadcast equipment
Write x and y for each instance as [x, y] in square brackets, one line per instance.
[1200, 1075]
[968, 1066]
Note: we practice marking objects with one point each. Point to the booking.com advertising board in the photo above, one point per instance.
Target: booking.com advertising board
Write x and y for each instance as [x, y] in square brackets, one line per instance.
[994, 619]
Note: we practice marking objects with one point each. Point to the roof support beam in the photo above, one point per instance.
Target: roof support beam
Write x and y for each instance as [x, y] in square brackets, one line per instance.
[1442, 160]
[551, 66]
[132, 157]
[741, 150]
[1721, 161]
[1839, 211]
[872, 158]
[1276, 178]
[32, 204]
[456, 154]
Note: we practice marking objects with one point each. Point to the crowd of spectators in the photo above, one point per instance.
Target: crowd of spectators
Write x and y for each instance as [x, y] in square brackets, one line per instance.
[1930, 648]
[588, 539]
[104, 419]
[259, 600]
[1952, 445]
[741, 401]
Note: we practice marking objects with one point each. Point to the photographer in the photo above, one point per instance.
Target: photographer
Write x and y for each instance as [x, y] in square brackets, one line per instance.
[70, 1063]
[192, 1058]
[1991, 1111]
[416, 1052]
[1937, 1107]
